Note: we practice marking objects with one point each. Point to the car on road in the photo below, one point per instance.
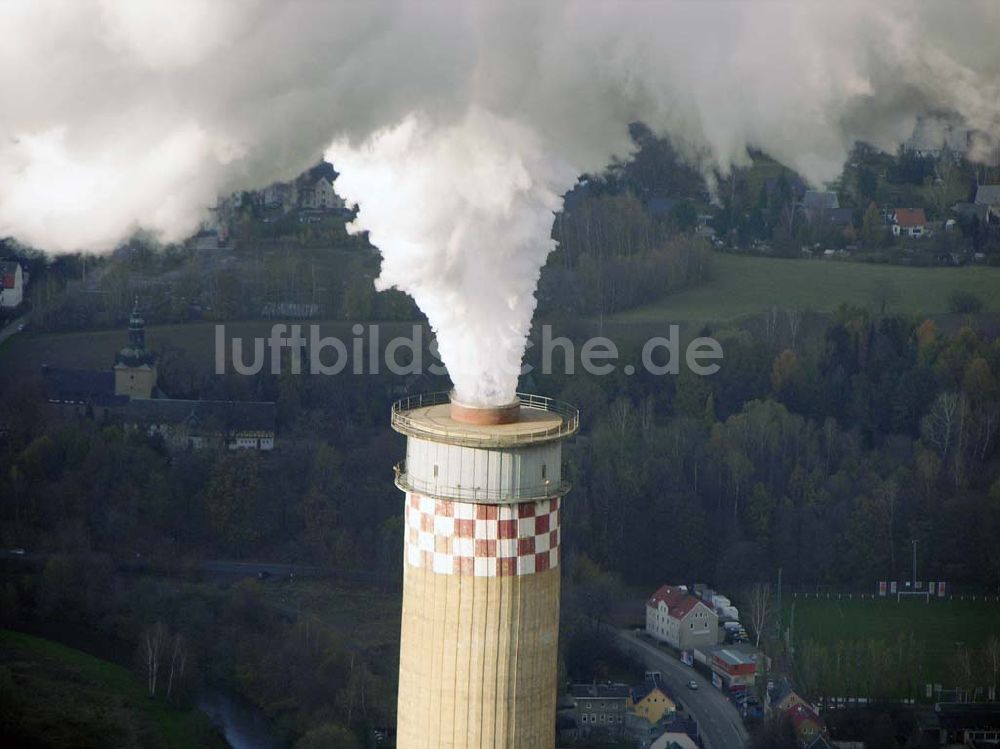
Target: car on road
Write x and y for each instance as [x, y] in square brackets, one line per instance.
[20, 327]
[18, 552]
[692, 684]
[263, 575]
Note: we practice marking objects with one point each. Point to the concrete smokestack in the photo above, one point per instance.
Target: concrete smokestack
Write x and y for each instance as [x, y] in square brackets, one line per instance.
[478, 646]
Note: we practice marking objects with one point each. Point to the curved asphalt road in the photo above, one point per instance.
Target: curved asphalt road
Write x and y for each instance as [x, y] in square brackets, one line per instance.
[718, 721]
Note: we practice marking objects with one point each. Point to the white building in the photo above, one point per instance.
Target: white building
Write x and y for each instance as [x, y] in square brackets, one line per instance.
[320, 196]
[680, 619]
[12, 286]
[909, 222]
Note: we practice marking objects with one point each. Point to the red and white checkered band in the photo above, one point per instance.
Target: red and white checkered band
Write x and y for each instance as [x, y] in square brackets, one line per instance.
[462, 538]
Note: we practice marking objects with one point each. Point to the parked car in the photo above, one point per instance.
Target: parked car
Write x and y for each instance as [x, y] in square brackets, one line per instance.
[692, 684]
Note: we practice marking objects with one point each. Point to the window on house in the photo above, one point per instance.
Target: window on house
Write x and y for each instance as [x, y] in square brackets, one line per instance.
[544, 470]
[435, 471]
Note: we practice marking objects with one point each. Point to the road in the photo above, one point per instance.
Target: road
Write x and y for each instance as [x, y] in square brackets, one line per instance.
[12, 327]
[718, 720]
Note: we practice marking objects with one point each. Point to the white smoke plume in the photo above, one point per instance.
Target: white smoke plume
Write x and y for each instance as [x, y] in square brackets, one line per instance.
[455, 124]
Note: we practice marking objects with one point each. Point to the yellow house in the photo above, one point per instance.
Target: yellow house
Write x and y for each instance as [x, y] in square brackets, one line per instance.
[650, 701]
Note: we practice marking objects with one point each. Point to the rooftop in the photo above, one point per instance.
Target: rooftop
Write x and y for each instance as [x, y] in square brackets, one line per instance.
[734, 655]
[81, 386]
[820, 200]
[600, 691]
[910, 216]
[651, 683]
[679, 603]
[429, 416]
[988, 195]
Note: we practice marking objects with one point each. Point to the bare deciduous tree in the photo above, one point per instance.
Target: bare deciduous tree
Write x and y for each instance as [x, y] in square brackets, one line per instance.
[992, 651]
[940, 423]
[178, 663]
[154, 640]
[794, 318]
[759, 607]
[621, 415]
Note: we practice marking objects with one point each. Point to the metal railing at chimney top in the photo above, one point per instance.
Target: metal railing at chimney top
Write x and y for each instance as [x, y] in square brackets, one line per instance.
[478, 495]
[403, 422]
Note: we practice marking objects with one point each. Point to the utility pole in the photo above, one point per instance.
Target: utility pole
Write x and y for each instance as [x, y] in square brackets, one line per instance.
[780, 610]
[914, 542]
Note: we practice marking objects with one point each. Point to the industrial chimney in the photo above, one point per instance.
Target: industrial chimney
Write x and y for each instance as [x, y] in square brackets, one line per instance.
[478, 648]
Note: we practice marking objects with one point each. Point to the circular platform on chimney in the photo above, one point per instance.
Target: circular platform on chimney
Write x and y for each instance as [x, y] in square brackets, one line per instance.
[528, 420]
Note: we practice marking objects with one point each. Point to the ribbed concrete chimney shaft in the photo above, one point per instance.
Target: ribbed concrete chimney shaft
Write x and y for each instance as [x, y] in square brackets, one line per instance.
[480, 622]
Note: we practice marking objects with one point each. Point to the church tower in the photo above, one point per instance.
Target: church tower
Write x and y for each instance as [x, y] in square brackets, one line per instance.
[135, 367]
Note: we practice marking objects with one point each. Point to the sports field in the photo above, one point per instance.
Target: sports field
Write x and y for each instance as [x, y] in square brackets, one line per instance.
[940, 629]
[746, 285]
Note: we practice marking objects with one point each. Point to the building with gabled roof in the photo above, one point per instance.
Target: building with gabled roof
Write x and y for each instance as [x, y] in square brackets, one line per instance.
[807, 723]
[196, 424]
[599, 708]
[988, 197]
[680, 619]
[12, 280]
[127, 394]
[649, 703]
[81, 391]
[909, 222]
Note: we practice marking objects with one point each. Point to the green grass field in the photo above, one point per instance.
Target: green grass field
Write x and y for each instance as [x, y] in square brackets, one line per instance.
[24, 354]
[941, 627]
[746, 285]
[51, 695]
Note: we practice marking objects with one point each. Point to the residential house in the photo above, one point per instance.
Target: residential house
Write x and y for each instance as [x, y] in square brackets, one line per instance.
[819, 204]
[319, 196]
[647, 705]
[908, 222]
[787, 698]
[988, 196]
[600, 708]
[12, 286]
[678, 618]
[281, 195]
[806, 722]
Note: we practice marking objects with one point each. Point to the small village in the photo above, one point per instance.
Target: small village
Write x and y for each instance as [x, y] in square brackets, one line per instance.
[697, 632]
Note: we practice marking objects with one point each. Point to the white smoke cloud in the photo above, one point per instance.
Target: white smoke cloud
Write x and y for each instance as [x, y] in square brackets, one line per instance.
[119, 114]
[463, 216]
